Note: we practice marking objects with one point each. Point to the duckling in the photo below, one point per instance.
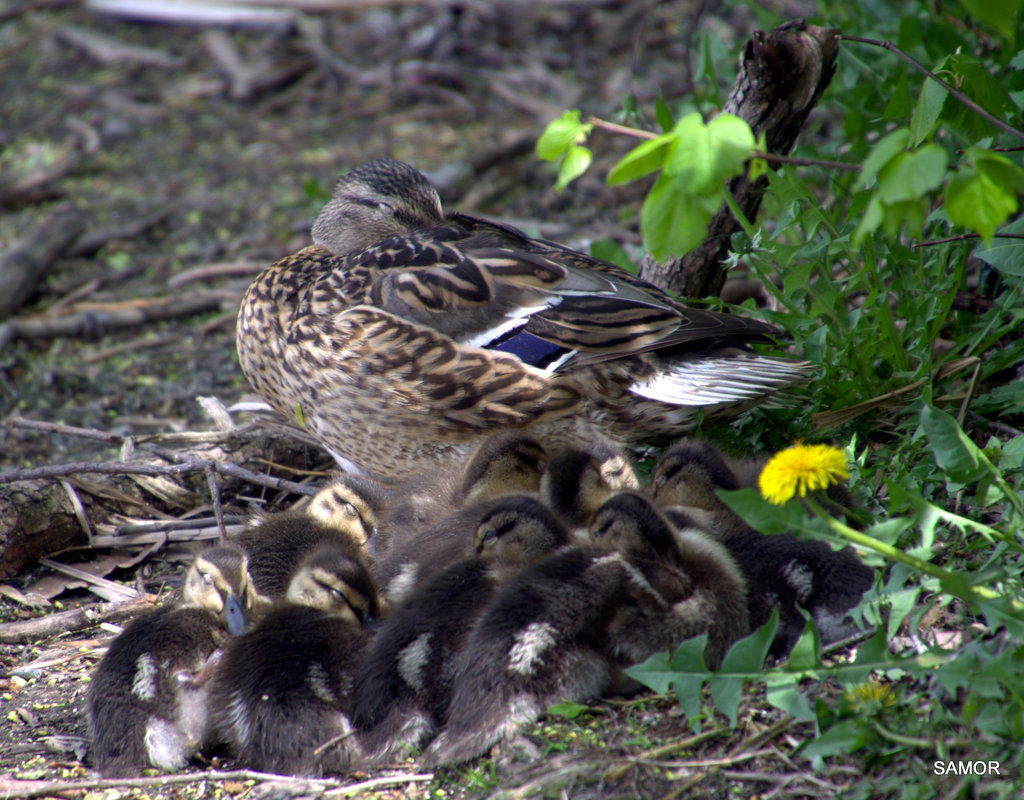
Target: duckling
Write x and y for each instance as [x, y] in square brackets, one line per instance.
[147, 700]
[564, 627]
[509, 462]
[343, 514]
[404, 333]
[782, 571]
[577, 482]
[281, 692]
[401, 694]
[695, 575]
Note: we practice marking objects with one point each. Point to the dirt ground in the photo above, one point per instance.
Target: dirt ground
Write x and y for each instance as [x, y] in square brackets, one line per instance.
[227, 140]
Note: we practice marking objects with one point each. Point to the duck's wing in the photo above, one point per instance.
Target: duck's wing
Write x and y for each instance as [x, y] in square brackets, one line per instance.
[414, 370]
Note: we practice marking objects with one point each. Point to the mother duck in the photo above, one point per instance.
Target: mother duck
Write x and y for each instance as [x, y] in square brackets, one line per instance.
[405, 333]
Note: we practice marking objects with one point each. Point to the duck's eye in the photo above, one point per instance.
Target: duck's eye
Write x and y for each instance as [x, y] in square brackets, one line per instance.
[338, 596]
[601, 530]
[385, 208]
[660, 481]
[490, 535]
[350, 510]
[208, 578]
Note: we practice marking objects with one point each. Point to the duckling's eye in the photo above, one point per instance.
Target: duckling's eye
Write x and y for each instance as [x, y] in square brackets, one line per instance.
[601, 530]
[385, 208]
[490, 535]
[660, 481]
[338, 596]
[350, 510]
[208, 578]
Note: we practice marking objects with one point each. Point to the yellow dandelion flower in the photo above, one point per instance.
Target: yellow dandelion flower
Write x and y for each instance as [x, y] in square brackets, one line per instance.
[801, 468]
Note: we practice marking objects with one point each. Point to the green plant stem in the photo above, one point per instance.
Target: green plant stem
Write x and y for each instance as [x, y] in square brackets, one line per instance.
[951, 89]
[899, 738]
[974, 594]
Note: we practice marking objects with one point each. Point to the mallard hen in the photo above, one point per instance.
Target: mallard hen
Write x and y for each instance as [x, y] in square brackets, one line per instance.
[405, 333]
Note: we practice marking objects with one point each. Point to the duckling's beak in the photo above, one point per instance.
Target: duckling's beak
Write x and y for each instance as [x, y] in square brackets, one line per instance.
[234, 615]
[371, 622]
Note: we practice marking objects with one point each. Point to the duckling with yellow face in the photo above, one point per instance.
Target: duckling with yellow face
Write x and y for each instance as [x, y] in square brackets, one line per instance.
[148, 698]
[401, 694]
[281, 693]
[344, 514]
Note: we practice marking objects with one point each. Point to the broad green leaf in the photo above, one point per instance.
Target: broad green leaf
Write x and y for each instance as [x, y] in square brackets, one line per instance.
[561, 134]
[927, 111]
[645, 158]
[959, 457]
[888, 146]
[731, 142]
[909, 176]
[806, 653]
[783, 692]
[567, 709]
[726, 694]
[900, 103]
[575, 163]
[689, 157]
[748, 654]
[844, 737]
[981, 197]
[674, 221]
[610, 250]
[684, 672]
[1006, 255]
[1001, 15]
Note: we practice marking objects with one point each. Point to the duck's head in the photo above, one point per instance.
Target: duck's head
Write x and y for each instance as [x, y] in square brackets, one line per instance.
[509, 462]
[688, 473]
[352, 505]
[630, 523]
[577, 482]
[218, 581]
[519, 529]
[375, 200]
[332, 581]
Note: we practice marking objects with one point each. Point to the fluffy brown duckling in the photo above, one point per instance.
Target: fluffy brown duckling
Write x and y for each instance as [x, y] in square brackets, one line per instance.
[508, 462]
[782, 571]
[147, 703]
[695, 575]
[344, 514]
[281, 693]
[564, 627]
[577, 482]
[402, 692]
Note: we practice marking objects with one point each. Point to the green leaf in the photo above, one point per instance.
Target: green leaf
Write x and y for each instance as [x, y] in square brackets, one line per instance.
[684, 672]
[561, 134]
[1006, 255]
[928, 110]
[981, 197]
[690, 157]
[747, 655]
[610, 250]
[783, 692]
[806, 653]
[575, 163]
[886, 149]
[567, 709]
[663, 115]
[1001, 15]
[731, 142]
[959, 457]
[673, 220]
[645, 158]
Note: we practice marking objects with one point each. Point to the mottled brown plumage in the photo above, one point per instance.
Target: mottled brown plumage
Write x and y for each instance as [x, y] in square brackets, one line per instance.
[404, 334]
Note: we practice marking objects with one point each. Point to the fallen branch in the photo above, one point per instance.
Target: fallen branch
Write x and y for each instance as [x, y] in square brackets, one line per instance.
[25, 263]
[99, 320]
[74, 619]
[15, 788]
